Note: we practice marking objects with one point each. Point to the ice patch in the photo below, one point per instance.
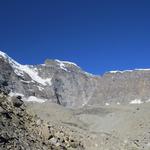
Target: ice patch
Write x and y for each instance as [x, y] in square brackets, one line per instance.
[35, 99]
[107, 104]
[136, 101]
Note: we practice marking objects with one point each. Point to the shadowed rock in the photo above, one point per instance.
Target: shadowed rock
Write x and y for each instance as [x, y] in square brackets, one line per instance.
[17, 102]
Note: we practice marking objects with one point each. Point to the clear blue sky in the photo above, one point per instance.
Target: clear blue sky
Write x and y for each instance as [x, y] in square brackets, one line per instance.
[98, 35]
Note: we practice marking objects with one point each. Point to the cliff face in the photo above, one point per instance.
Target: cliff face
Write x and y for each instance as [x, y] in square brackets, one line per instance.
[67, 84]
[58, 81]
[123, 88]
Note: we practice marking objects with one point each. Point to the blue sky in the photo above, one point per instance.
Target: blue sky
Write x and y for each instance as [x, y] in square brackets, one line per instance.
[98, 35]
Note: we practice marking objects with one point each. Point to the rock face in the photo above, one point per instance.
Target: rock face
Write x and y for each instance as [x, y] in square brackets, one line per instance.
[67, 84]
[61, 82]
[123, 87]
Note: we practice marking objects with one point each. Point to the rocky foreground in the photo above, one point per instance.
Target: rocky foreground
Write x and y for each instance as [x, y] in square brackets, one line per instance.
[49, 126]
[21, 131]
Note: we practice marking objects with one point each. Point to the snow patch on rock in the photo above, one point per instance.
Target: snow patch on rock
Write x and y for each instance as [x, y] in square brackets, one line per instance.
[124, 71]
[35, 99]
[66, 62]
[11, 94]
[29, 99]
[107, 104]
[119, 71]
[143, 69]
[136, 101]
[40, 88]
[62, 65]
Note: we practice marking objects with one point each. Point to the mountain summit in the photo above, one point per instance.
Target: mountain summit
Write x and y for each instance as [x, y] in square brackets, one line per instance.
[67, 84]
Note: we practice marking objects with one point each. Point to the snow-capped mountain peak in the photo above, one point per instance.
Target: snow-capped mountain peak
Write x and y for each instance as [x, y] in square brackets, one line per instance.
[21, 69]
[9, 59]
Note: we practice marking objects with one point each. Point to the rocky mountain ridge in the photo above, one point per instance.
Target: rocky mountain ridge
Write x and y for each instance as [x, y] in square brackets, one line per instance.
[98, 120]
[67, 84]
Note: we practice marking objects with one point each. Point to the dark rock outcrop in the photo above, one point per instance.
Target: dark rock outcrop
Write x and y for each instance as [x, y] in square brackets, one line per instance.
[17, 102]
